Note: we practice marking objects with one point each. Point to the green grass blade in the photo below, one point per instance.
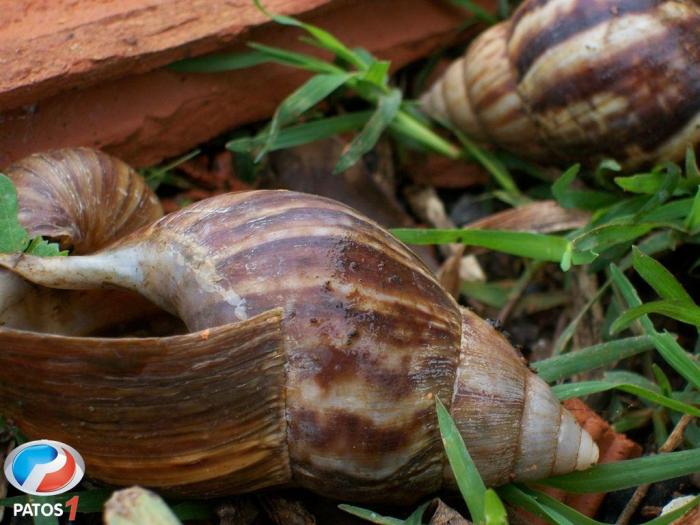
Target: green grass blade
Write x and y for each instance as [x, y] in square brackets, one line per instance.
[416, 517]
[305, 97]
[524, 244]
[378, 73]
[408, 126]
[691, 165]
[467, 476]
[585, 388]
[387, 109]
[646, 183]
[219, 62]
[658, 277]
[369, 515]
[629, 294]
[679, 310]
[607, 235]
[494, 511]
[517, 496]
[677, 357]
[692, 221]
[628, 473]
[584, 200]
[590, 358]
[665, 344]
[293, 59]
[535, 499]
[672, 516]
[322, 37]
[303, 133]
[476, 10]
[489, 161]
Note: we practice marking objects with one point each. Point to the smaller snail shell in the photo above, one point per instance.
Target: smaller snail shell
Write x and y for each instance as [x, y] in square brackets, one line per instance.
[563, 81]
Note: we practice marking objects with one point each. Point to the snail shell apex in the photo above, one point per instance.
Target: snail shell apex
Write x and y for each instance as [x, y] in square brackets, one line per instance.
[350, 334]
[579, 80]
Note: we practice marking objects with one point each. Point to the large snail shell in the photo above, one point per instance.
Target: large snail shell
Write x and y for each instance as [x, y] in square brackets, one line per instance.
[579, 80]
[83, 199]
[335, 326]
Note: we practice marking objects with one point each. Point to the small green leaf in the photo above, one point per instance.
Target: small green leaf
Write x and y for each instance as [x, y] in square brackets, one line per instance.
[377, 73]
[465, 472]
[679, 310]
[646, 183]
[305, 97]
[13, 237]
[364, 141]
[658, 277]
[43, 248]
[494, 510]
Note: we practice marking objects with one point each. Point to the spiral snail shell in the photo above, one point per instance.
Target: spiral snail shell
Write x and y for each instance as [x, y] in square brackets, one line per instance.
[317, 344]
[580, 80]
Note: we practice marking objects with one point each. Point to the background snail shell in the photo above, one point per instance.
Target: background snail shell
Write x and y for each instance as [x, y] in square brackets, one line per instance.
[579, 80]
[318, 345]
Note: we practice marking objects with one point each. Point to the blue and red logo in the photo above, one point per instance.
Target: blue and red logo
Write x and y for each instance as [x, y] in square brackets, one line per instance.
[44, 467]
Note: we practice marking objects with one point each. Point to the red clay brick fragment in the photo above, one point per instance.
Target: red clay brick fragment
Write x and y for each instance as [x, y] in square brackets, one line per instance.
[91, 73]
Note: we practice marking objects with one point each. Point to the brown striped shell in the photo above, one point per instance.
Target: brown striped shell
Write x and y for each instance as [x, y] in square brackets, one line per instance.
[318, 344]
[83, 199]
[580, 80]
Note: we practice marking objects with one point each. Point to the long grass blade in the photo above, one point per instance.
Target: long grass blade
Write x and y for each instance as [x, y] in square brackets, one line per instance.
[586, 388]
[536, 246]
[628, 473]
[466, 474]
[590, 358]
[303, 133]
[679, 310]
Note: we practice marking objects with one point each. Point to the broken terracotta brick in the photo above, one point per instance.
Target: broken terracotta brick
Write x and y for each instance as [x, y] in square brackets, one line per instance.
[91, 73]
